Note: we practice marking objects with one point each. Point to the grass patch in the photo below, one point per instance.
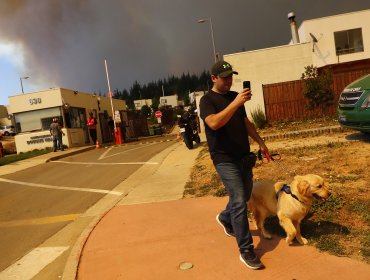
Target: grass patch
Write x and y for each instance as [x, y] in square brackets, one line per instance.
[331, 243]
[365, 250]
[220, 192]
[21, 156]
[259, 118]
[361, 207]
[329, 208]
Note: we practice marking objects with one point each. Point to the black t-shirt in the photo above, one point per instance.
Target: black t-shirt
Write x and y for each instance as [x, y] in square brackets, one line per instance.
[230, 142]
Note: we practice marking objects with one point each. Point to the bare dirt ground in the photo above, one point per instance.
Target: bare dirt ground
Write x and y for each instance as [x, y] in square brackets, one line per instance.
[340, 226]
[8, 143]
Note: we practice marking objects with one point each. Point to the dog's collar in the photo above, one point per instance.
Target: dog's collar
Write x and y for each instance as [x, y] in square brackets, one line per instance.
[286, 188]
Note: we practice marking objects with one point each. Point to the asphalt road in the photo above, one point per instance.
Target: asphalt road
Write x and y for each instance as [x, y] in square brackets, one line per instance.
[41, 201]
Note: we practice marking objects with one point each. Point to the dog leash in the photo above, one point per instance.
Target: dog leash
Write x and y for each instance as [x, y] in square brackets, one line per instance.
[274, 158]
[261, 155]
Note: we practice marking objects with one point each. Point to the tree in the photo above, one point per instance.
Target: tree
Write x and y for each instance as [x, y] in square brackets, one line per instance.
[135, 91]
[172, 85]
[146, 111]
[317, 88]
[155, 103]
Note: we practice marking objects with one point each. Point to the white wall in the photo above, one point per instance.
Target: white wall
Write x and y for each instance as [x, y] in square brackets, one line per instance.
[268, 66]
[170, 100]
[141, 102]
[323, 29]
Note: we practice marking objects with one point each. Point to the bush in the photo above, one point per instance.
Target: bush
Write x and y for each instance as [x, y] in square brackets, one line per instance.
[317, 88]
[259, 118]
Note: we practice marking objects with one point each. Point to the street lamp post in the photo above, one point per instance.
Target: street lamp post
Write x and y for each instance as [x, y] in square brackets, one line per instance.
[213, 39]
[22, 78]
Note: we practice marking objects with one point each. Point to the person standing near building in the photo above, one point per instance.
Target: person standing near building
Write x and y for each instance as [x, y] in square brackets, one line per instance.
[227, 128]
[91, 125]
[57, 135]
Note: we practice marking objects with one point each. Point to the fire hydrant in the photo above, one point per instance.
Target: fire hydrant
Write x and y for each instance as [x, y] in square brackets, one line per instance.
[1, 150]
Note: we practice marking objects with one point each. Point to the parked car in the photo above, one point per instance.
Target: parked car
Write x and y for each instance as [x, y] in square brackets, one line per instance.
[7, 130]
[354, 105]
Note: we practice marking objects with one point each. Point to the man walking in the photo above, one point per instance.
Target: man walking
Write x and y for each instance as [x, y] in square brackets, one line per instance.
[57, 134]
[227, 129]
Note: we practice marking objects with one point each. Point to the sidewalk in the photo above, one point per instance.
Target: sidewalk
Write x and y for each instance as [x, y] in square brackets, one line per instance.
[151, 241]
[152, 231]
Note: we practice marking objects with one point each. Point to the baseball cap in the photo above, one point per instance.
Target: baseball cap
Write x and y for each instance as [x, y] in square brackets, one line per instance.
[222, 69]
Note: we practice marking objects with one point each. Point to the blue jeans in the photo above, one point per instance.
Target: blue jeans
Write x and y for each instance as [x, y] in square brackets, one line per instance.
[238, 181]
[57, 142]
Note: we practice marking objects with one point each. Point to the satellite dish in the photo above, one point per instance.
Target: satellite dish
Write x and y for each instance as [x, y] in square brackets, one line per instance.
[314, 39]
[66, 106]
[10, 116]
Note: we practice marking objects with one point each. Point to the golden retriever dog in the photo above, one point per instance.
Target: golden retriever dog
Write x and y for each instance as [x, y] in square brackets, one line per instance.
[290, 202]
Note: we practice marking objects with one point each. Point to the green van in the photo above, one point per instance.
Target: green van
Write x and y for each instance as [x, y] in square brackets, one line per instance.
[354, 105]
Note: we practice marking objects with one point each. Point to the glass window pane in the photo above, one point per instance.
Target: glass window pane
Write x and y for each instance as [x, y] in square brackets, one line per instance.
[348, 41]
[32, 120]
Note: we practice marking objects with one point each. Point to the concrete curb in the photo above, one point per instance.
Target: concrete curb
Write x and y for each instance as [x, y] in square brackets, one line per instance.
[304, 133]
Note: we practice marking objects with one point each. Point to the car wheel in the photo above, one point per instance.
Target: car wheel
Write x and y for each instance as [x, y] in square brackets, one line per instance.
[6, 133]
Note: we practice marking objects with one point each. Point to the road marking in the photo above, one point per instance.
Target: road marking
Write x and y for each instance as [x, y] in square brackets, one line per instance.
[60, 188]
[40, 221]
[151, 144]
[107, 163]
[106, 152]
[32, 263]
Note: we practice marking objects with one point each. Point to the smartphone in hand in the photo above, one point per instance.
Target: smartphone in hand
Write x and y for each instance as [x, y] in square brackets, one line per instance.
[247, 84]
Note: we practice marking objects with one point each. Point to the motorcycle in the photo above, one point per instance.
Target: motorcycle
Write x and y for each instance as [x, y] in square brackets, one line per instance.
[189, 129]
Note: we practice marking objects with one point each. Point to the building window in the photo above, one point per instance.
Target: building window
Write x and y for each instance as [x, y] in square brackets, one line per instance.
[348, 41]
[46, 122]
[35, 120]
[137, 105]
[75, 117]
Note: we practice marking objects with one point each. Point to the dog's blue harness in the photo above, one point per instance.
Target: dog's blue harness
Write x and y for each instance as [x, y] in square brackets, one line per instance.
[286, 188]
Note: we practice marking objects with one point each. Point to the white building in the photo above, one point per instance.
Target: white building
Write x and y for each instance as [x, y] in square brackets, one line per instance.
[170, 100]
[323, 41]
[33, 113]
[141, 102]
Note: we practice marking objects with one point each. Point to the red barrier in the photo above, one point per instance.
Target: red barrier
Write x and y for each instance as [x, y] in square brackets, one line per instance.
[118, 135]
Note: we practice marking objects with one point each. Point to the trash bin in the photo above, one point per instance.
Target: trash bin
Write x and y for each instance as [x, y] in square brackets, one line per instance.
[151, 130]
[158, 130]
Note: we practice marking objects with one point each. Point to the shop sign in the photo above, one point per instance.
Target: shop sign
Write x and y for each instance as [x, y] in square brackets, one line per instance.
[117, 116]
[39, 139]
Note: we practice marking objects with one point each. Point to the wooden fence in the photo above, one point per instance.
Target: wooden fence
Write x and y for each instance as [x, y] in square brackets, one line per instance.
[285, 101]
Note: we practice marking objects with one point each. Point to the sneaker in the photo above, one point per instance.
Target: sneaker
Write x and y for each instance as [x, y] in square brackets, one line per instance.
[250, 259]
[227, 229]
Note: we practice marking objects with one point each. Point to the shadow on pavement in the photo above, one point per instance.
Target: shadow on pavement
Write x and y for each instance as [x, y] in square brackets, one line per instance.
[359, 136]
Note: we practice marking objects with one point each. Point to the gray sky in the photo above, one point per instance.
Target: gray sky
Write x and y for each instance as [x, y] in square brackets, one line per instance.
[64, 42]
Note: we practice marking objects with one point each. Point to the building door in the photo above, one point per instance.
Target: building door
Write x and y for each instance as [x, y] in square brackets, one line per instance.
[106, 134]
